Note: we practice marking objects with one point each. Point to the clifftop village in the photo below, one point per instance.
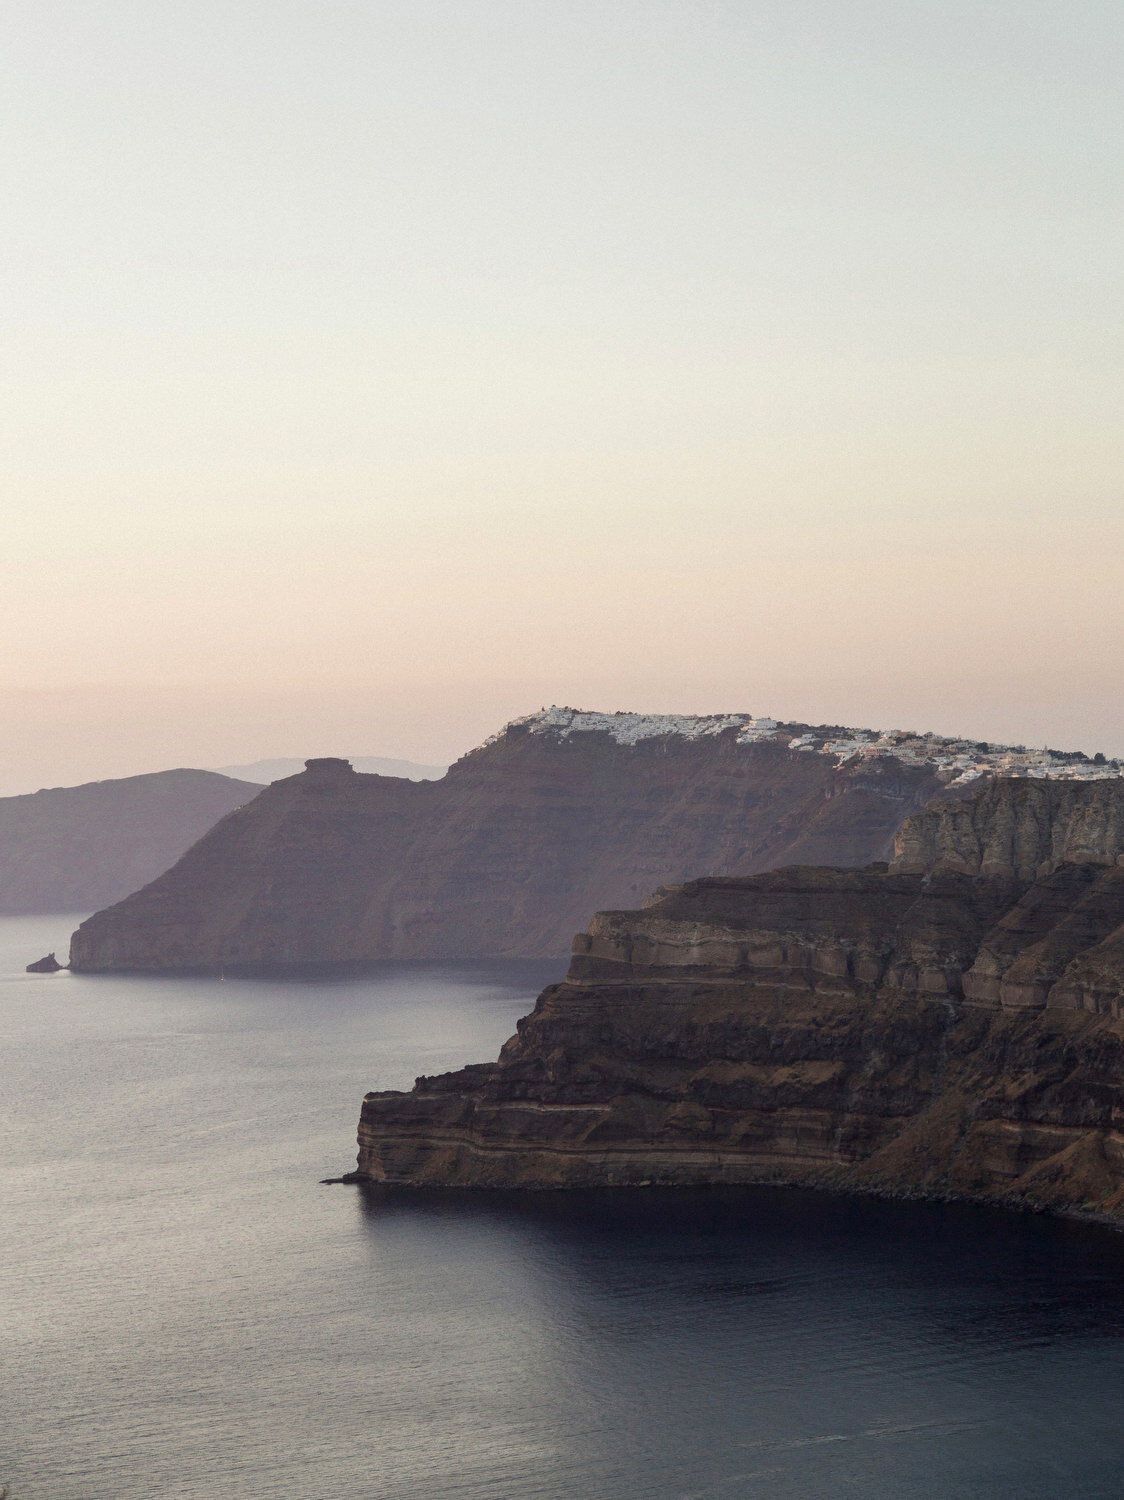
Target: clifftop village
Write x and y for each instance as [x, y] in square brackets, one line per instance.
[957, 761]
[961, 761]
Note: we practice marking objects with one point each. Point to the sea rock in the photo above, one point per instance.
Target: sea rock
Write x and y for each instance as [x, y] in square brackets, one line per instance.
[48, 965]
[943, 1034]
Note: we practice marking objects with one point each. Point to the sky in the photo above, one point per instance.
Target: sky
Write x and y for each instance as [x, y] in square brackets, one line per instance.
[373, 372]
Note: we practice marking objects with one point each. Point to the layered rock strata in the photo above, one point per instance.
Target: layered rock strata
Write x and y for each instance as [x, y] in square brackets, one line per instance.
[1017, 827]
[944, 1034]
[508, 853]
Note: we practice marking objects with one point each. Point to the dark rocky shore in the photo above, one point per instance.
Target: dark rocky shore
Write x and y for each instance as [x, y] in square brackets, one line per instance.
[945, 1033]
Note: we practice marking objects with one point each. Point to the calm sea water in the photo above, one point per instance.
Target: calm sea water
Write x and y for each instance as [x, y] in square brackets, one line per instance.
[187, 1311]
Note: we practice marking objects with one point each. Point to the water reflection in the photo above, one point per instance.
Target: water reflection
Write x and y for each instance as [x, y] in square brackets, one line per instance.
[849, 1346]
[190, 1314]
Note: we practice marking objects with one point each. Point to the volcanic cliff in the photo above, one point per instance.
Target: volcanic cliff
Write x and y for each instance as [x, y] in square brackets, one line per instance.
[506, 855]
[1023, 828]
[943, 1033]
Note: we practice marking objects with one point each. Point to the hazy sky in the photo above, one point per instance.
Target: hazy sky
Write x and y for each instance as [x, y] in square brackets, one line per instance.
[374, 372]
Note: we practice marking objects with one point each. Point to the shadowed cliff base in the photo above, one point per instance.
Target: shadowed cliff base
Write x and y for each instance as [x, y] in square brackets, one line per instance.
[936, 1035]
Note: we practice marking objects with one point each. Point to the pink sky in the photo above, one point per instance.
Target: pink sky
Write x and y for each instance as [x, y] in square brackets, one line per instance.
[374, 374]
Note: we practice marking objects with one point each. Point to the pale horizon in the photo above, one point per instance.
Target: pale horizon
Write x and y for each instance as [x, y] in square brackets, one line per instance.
[64, 735]
[375, 374]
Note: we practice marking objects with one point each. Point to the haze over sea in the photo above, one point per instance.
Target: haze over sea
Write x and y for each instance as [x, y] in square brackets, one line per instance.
[190, 1312]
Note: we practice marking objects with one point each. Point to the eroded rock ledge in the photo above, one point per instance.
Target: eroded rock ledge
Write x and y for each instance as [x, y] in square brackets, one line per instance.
[1020, 828]
[947, 1034]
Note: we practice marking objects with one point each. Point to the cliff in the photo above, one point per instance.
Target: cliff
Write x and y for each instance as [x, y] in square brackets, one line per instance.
[944, 1034]
[509, 852]
[1018, 828]
[79, 847]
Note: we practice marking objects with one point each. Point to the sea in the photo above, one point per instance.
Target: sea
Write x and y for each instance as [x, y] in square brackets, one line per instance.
[188, 1310]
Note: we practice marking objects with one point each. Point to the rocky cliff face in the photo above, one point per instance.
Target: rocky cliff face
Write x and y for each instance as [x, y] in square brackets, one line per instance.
[946, 1034]
[75, 848]
[1022, 828]
[511, 850]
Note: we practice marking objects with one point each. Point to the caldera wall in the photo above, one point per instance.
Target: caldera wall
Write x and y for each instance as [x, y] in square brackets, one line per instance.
[941, 1034]
[509, 853]
[1022, 827]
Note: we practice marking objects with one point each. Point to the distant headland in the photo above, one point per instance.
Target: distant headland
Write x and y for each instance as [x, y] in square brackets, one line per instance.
[558, 814]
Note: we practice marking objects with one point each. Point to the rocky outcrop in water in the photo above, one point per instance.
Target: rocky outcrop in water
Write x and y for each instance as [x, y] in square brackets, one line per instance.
[944, 1034]
[47, 965]
[511, 850]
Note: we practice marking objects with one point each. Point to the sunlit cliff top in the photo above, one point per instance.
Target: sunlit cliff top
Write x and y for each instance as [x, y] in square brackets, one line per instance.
[958, 760]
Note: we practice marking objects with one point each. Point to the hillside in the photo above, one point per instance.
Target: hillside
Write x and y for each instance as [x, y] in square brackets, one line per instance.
[80, 847]
[559, 814]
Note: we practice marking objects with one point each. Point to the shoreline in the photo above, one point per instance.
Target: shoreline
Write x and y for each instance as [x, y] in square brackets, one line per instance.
[827, 1189]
